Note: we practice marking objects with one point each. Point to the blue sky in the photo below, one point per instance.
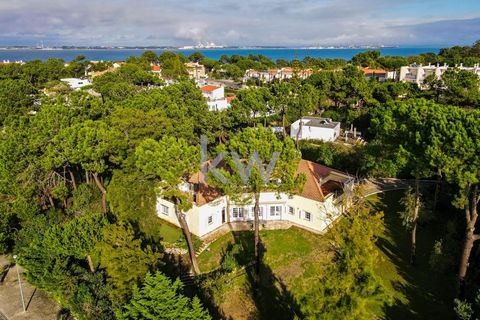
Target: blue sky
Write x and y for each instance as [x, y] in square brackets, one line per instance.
[240, 22]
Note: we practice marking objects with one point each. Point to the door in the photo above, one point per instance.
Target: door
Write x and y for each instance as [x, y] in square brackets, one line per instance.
[223, 215]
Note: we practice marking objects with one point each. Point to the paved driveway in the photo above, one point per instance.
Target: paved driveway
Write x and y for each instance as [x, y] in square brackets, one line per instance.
[39, 305]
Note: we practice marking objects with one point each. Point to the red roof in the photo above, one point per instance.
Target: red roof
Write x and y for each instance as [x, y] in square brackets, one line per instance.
[156, 68]
[315, 187]
[229, 99]
[209, 88]
[373, 71]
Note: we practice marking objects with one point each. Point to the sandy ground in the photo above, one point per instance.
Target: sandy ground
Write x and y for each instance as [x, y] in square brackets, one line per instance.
[39, 305]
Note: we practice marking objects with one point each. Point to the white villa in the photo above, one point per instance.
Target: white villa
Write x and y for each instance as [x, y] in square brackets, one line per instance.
[416, 73]
[216, 98]
[315, 129]
[313, 209]
[380, 74]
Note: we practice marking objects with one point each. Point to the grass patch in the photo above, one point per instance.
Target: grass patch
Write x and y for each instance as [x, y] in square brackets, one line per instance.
[419, 292]
[292, 263]
[173, 236]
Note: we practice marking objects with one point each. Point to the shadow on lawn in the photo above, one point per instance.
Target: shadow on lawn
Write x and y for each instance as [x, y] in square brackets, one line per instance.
[429, 295]
[272, 298]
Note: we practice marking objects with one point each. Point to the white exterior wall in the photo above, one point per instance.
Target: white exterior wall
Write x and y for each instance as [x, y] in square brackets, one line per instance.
[417, 74]
[214, 210]
[215, 94]
[322, 213]
[314, 133]
[218, 105]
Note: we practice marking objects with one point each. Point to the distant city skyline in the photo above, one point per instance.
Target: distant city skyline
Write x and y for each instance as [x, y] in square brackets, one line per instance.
[231, 23]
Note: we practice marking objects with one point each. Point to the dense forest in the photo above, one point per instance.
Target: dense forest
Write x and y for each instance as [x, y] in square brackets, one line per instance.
[80, 172]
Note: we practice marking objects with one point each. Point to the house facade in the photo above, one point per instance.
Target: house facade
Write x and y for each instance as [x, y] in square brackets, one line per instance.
[313, 209]
[380, 75]
[312, 128]
[215, 96]
[277, 74]
[196, 71]
[417, 73]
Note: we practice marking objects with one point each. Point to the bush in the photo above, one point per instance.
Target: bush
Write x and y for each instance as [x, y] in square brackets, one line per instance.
[229, 260]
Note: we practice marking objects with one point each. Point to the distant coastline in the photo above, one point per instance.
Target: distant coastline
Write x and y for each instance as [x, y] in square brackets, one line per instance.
[193, 47]
[13, 54]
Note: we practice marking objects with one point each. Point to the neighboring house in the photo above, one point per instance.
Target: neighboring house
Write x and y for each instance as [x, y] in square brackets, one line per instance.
[277, 74]
[76, 83]
[157, 70]
[379, 74]
[315, 129]
[215, 97]
[418, 73]
[313, 209]
[196, 71]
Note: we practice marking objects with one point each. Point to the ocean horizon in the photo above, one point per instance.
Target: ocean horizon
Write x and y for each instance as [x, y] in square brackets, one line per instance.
[273, 53]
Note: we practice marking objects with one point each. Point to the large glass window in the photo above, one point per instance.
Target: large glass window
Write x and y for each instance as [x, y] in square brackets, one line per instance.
[260, 211]
[275, 211]
[238, 212]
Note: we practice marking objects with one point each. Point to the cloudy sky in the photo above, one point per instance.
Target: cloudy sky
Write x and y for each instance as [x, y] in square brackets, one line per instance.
[239, 22]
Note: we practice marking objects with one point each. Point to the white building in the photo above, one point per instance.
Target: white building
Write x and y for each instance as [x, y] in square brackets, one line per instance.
[196, 71]
[380, 74]
[76, 83]
[277, 74]
[215, 97]
[418, 73]
[313, 209]
[315, 129]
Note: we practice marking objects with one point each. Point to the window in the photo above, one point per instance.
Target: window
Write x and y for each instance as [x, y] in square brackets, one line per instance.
[260, 211]
[275, 211]
[308, 216]
[237, 212]
[164, 210]
[291, 210]
[210, 220]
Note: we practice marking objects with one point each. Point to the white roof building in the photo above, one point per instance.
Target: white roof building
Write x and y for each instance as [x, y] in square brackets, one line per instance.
[215, 97]
[418, 73]
[312, 128]
[76, 83]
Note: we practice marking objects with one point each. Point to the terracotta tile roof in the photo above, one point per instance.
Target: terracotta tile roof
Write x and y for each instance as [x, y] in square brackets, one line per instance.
[156, 68]
[205, 193]
[373, 71]
[230, 99]
[209, 88]
[313, 189]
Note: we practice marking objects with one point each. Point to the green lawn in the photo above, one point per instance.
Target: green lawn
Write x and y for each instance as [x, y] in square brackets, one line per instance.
[293, 259]
[419, 292]
[170, 233]
[172, 236]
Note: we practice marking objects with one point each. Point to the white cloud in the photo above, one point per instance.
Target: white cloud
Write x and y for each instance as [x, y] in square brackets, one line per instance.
[268, 22]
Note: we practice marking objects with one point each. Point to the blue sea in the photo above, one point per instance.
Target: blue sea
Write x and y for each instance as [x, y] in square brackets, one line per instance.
[123, 54]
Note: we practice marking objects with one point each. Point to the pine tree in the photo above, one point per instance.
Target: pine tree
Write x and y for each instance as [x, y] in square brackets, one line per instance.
[160, 298]
[124, 259]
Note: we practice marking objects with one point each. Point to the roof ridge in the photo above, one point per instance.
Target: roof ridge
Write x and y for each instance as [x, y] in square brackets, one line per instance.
[317, 184]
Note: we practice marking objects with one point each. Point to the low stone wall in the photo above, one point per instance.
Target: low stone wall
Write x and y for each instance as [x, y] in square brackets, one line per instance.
[249, 226]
